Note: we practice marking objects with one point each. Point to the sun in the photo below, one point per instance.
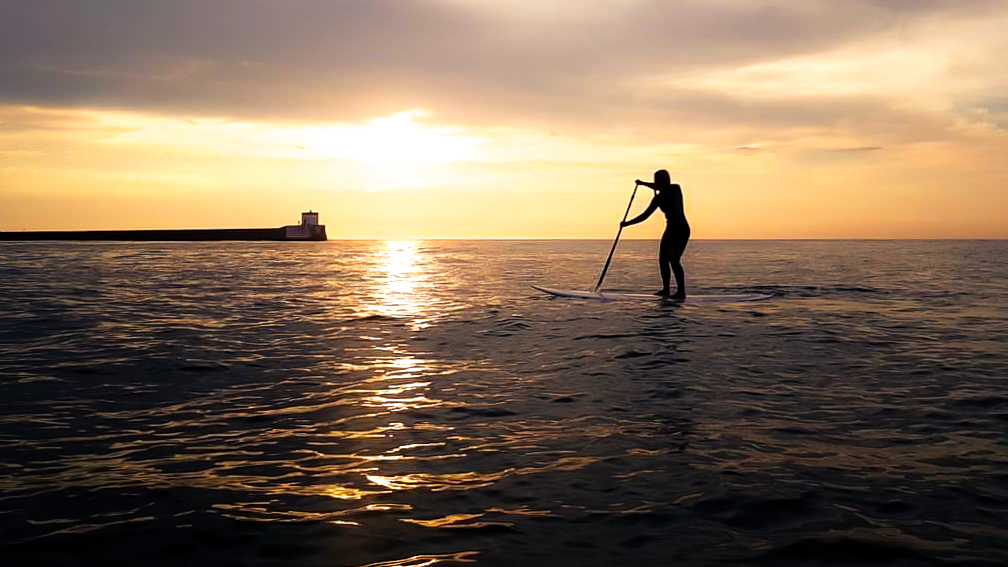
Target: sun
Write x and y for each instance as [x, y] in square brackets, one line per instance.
[393, 140]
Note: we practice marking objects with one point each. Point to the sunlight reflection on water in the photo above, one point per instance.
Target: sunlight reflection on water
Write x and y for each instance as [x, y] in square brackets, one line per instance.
[403, 284]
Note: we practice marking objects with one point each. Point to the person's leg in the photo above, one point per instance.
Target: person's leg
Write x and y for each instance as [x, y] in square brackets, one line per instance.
[665, 262]
[675, 259]
[680, 276]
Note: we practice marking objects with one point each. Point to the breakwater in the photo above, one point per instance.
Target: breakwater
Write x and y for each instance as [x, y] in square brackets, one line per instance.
[308, 230]
[154, 235]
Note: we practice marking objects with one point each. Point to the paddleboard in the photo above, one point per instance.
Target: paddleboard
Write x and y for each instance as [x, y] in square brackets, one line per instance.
[690, 300]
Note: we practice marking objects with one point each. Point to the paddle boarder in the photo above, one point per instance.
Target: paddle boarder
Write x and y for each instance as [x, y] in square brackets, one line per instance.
[668, 197]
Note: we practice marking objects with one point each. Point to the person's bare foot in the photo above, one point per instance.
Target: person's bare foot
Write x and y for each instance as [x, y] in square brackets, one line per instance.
[679, 295]
[662, 293]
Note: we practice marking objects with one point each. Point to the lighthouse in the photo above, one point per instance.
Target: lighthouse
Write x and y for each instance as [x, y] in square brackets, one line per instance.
[309, 229]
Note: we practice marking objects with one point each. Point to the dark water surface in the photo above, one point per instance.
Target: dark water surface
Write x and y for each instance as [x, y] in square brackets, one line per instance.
[372, 403]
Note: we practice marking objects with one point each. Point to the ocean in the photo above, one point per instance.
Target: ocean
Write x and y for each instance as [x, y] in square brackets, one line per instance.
[412, 404]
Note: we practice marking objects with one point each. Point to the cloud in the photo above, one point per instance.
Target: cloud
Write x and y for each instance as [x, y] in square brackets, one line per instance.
[547, 85]
[317, 60]
[859, 149]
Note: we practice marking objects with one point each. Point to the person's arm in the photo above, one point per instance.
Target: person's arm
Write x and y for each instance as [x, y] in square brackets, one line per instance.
[643, 216]
[645, 183]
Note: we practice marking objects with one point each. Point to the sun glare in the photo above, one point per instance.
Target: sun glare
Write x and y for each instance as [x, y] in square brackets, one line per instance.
[393, 140]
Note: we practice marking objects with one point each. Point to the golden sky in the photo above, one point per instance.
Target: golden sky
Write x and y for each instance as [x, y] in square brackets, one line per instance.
[417, 119]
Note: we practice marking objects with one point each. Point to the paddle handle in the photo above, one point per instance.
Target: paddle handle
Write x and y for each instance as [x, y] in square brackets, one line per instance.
[618, 233]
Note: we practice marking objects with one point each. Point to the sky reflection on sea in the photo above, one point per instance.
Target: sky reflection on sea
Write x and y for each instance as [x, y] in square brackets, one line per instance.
[413, 403]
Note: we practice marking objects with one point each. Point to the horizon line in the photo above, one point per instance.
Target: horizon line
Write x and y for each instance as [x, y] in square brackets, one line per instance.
[601, 239]
[799, 238]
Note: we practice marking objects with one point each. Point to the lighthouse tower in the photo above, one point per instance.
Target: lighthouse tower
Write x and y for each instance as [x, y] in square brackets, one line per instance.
[309, 229]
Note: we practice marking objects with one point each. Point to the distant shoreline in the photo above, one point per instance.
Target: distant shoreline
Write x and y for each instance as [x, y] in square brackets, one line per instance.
[169, 235]
[270, 234]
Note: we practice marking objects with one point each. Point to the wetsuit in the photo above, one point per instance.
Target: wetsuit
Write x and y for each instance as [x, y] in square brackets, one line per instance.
[669, 199]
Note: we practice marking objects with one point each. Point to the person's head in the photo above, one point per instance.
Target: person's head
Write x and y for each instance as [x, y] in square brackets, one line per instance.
[661, 177]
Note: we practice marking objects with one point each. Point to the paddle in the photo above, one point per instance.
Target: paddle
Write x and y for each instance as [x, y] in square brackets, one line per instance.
[620, 231]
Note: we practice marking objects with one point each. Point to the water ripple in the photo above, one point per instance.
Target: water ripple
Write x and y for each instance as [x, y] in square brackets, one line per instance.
[412, 403]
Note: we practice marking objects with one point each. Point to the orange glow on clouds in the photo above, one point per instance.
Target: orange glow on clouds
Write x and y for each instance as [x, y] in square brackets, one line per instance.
[899, 131]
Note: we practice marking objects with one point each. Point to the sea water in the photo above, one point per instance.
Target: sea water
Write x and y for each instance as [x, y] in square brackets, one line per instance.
[418, 403]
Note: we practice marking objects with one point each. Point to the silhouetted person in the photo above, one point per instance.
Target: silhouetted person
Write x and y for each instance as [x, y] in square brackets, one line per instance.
[668, 198]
